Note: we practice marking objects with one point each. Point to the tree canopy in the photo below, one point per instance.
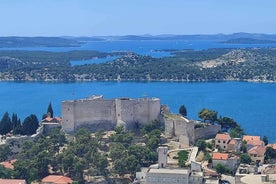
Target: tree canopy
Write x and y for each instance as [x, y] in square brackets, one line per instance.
[183, 110]
[208, 115]
[5, 124]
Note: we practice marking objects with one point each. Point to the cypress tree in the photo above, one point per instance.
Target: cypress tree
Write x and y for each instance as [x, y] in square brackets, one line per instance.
[30, 125]
[5, 124]
[16, 124]
[50, 110]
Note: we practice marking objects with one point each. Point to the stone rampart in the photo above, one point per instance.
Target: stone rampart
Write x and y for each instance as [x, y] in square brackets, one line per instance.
[97, 113]
[179, 127]
[207, 132]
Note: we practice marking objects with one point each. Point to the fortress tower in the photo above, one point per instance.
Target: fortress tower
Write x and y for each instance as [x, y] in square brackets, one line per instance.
[162, 157]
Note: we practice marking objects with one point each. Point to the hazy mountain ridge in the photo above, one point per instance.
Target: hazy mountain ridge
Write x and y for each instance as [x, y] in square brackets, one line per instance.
[76, 41]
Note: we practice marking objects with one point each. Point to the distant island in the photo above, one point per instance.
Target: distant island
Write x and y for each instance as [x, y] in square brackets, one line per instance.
[248, 41]
[183, 65]
[19, 42]
[70, 41]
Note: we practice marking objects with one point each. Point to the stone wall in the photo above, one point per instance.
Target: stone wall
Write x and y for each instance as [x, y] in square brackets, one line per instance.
[96, 113]
[207, 132]
[179, 127]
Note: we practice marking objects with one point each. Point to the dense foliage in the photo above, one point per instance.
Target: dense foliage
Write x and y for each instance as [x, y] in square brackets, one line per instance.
[13, 125]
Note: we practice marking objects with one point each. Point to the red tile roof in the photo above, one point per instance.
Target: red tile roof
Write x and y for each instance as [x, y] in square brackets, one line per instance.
[222, 137]
[233, 141]
[8, 164]
[57, 179]
[272, 145]
[250, 138]
[12, 181]
[49, 119]
[258, 150]
[220, 156]
[253, 140]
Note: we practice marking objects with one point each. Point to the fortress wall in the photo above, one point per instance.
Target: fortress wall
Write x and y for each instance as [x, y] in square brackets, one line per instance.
[207, 132]
[67, 110]
[169, 126]
[127, 112]
[154, 109]
[180, 128]
[191, 131]
[139, 110]
[95, 114]
[142, 114]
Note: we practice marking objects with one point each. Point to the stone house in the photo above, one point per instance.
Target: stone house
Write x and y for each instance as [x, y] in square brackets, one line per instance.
[252, 141]
[257, 154]
[224, 141]
[230, 162]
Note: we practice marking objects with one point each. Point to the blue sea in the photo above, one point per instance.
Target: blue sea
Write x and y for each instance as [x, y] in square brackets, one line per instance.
[252, 105]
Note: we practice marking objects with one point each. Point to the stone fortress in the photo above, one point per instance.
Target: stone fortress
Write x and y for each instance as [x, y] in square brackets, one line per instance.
[97, 113]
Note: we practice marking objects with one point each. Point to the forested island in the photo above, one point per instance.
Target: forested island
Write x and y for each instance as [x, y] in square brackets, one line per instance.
[184, 65]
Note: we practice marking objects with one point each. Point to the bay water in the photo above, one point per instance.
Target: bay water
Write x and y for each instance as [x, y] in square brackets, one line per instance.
[252, 105]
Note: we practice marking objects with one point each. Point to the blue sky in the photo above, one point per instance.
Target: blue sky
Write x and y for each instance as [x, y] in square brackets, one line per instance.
[125, 17]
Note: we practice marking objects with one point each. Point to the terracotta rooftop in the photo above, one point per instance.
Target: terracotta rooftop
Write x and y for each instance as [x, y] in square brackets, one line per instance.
[250, 138]
[258, 150]
[220, 156]
[49, 119]
[8, 164]
[57, 179]
[12, 181]
[253, 140]
[272, 145]
[223, 137]
[233, 141]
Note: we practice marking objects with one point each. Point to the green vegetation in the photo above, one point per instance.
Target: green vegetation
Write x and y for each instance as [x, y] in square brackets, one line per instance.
[201, 144]
[208, 115]
[221, 169]
[85, 155]
[182, 157]
[227, 124]
[265, 139]
[183, 110]
[14, 126]
[50, 110]
[270, 154]
[185, 65]
[245, 158]
[5, 151]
